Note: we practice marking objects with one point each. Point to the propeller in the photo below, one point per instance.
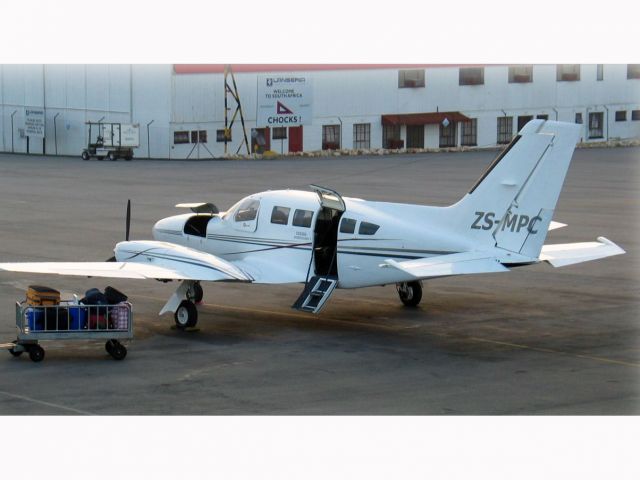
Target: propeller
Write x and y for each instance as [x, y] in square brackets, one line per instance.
[127, 227]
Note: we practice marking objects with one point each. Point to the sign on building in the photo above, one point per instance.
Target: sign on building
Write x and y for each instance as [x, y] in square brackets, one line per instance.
[284, 100]
[34, 122]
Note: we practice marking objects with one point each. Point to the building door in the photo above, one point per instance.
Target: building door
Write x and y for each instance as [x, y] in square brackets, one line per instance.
[260, 140]
[523, 120]
[415, 136]
[295, 139]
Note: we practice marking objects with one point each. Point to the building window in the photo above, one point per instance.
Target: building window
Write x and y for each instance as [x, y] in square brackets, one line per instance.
[523, 120]
[599, 72]
[410, 78]
[470, 132]
[198, 136]
[568, 73]
[633, 70]
[505, 129]
[279, 133]
[471, 76]
[521, 74]
[180, 137]
[362, 135]
[330, 137]
[596, 124]
[391, 137]
[448, 135]
[220, 135]
[544, 116]
[579, 118]
[621, 116]
[635, 115]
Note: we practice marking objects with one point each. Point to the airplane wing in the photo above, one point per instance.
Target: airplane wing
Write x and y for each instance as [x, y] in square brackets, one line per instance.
[144, 260]
[445, 265]
[569, 253]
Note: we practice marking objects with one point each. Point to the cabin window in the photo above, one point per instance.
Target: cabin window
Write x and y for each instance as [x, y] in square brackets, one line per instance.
[367, 228]
[197, 225]
[247, 211]
[280, 215]
[302, 218]
[348, 225]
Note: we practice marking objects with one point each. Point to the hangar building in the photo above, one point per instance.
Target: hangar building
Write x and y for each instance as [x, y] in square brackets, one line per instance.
[180, 108]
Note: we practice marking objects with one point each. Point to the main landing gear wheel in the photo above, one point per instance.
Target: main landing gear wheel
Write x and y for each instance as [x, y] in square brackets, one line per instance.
[116, 349]
[195, 293]
[36, 353]
[186, 315]
[410, 293]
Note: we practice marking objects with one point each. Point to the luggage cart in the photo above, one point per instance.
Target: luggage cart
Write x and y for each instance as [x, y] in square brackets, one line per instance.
[71, 322]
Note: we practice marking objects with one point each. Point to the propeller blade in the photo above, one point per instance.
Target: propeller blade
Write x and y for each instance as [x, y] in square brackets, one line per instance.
[128, 219]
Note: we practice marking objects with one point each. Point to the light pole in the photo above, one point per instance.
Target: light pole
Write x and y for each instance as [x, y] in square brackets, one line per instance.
[14, 112]
[55, 132]
[148, 143]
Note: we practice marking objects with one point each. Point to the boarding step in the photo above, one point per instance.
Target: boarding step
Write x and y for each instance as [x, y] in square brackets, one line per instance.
[315, 294]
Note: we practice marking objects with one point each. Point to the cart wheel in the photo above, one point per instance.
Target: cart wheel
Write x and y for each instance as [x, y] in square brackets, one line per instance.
[108, 346]
[111, 157]
[15, 353]
[118, 351]
[85, 156]
[36, 353]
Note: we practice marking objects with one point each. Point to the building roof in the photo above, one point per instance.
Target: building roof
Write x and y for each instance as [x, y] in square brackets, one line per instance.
[304, 67]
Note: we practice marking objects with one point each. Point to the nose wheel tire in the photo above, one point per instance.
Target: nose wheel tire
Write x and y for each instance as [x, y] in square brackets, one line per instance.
[186, 315]
[410, 293]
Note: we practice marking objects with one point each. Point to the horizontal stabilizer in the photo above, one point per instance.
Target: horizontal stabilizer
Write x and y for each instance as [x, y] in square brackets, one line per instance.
[445, 265]
[556, 225]
[569, 253]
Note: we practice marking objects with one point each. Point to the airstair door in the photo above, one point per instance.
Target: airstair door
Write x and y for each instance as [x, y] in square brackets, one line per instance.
[325, 252]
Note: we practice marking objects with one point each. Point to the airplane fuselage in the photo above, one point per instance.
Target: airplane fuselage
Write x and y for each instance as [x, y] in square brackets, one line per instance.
[282, 227]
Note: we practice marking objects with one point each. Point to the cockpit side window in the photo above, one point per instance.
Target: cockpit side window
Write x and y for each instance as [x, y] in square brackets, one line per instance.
[348, 225]
[247, 211]
[367, 228]
[302, 218]
[280, 215]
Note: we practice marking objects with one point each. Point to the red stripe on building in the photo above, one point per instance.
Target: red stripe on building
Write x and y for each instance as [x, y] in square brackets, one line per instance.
[303, 67]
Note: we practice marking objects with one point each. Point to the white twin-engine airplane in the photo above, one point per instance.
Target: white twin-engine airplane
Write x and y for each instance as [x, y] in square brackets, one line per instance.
[325, 241]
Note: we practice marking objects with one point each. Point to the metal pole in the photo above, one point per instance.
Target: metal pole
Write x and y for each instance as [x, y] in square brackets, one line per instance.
[148, 143]
[607, 123]
[14, 112]
[340, 120]
[55, 132]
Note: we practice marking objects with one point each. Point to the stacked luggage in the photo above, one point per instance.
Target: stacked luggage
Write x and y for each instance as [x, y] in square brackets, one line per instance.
[97, 310]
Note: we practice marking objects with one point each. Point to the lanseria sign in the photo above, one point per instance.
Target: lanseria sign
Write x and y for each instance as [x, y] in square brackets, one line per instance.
[284, 100]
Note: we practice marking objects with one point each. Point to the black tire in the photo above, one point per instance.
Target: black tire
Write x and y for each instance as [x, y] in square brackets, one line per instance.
[410, 293]
[108, 346]
[85, 156]
[197, 293]
[36, 353]
[15, 353]
[186, 315]
[118, 351]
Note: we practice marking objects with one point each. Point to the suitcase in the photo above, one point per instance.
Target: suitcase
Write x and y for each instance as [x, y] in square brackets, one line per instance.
[57, 319]
[97, 321]
[94, 296]
[114, 296]
[42, 296]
